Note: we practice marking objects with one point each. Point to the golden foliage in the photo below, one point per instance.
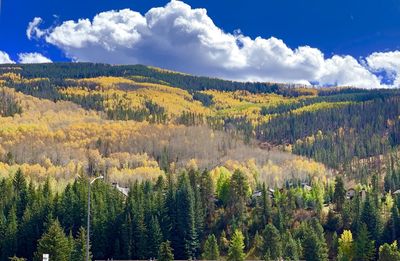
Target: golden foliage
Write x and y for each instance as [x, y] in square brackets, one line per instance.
[131, 94]
[57, 139]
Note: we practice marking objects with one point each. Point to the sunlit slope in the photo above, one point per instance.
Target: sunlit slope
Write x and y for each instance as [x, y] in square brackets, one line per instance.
[128, 93]
[336, 125]
[143, 98]
[59, 140]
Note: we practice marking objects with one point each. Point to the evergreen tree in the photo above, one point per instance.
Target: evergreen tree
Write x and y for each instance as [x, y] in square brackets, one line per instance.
[258, 245]
[155, 237]
[168, 218]
[164, 160]
[278, 220]
[126, 237]
[71, 244]
[313, 242]
[290, 248]
[395, 219]
[371, 217]
[239, 188]
[334, 221]
[272, 242]
[139, 236]
[390, 229]
[266, 206]
[55, 243]
[211, 250]
[19, 181]
[2, 231]
[10, 243]
[207, 197]
[199, 210]
[79, 246]
[339, 194]
[165, 252]
[364, 247]
[186, 245]
[375, 189]
[21, 189]
[236, 247]
[334, 247]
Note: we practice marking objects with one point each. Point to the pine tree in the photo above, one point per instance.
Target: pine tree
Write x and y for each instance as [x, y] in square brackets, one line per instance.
[19, 181]
[169, 211]
[236, 247]
[155, 237]
[207, 197]
[199, 210]
[272, 242]
[32, 226]
[164, 160]
[313, 242]
[165, 252]
[239, 188]
[21, 190]
[333, 222]
[10, 243]
[375, 189]
[364, 247]
[186, 245]
[334, 246]
[211, 250]
[279, 220]
[266, 206]
[55, 243]
[2, 231]
[311, 246]
[371, 217]
[139, 235]
[126, 237]
[291, 250]
[258, 245]
[79, 246]
[395, 219]
[339, 194]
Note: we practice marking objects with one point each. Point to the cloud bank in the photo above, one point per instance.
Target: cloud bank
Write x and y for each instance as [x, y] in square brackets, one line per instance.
[180, 38]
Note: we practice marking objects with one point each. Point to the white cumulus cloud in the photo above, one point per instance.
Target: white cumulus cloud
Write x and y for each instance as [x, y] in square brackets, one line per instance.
[181, 38]
[388, 62]
[346, 70]
[5, 58]
[32, 58]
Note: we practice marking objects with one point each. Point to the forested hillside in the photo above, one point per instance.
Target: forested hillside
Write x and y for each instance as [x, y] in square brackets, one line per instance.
[214, 168]
[336, 126]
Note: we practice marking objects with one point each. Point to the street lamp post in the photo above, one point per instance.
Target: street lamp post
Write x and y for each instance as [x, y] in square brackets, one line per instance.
[88, 216]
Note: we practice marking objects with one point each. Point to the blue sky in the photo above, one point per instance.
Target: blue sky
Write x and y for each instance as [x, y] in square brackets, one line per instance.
[333, 27]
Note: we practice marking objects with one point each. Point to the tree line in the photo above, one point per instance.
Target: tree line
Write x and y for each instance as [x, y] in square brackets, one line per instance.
[188, 216]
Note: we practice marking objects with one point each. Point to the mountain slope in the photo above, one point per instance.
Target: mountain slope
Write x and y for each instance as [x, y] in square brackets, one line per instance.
[332, 125]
